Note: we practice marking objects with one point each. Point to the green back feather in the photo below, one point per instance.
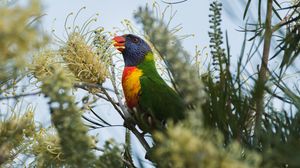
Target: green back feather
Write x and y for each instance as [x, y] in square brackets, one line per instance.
[156, 97]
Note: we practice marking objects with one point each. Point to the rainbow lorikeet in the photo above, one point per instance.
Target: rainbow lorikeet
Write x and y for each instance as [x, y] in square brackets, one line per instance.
[146, 93]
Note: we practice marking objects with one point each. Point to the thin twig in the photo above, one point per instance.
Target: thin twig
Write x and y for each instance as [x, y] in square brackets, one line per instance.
[91, 121]
[20, 95]
[128, 153]
[102, 97]
[85, 86]
[101, 119]
[113, 104]
[107, 126]
[113, 81]
[281, 23]
[171, 3]
[127, 163]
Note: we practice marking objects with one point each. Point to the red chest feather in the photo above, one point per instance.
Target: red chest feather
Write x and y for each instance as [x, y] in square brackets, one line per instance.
[131, 85]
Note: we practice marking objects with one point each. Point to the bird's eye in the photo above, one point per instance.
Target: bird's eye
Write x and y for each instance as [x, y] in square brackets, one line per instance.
[135, 40]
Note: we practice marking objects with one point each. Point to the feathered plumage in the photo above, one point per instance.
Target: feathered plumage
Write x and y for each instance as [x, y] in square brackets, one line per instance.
[145, 91]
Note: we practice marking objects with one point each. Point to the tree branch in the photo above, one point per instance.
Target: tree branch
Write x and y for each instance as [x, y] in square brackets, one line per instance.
[20, 95]
[139, 136]
[262, 75]
[281, 23]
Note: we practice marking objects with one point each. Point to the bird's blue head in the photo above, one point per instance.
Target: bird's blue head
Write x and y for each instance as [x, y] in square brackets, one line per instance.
[132, 47]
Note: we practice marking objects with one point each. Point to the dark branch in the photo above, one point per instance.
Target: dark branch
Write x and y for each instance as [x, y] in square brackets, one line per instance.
[101, 119]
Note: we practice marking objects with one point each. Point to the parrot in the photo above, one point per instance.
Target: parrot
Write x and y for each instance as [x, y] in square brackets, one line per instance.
[150, 98]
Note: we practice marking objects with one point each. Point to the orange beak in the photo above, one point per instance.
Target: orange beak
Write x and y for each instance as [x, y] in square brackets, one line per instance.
[119, 43]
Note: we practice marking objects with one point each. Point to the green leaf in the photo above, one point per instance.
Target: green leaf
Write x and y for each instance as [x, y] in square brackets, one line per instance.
[246, 9]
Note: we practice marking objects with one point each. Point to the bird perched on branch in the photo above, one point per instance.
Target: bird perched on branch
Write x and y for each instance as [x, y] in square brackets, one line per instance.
[146, 93]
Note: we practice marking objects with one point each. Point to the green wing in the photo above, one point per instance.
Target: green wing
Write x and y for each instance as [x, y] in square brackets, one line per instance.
[158, 99]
